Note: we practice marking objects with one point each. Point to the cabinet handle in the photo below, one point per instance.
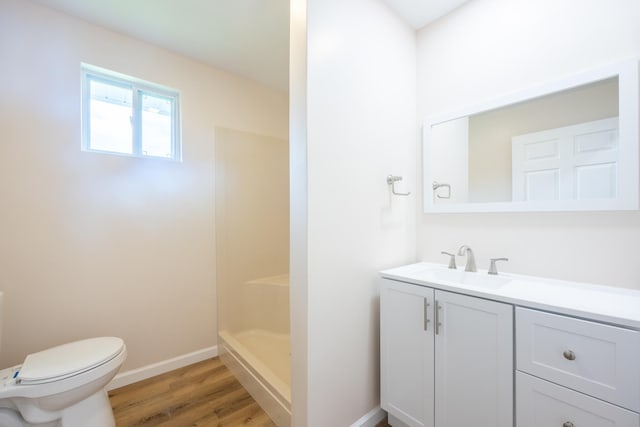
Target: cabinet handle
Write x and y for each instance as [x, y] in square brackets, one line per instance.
[426, 314]
[438, 324]
[567, 424]
[569, 355]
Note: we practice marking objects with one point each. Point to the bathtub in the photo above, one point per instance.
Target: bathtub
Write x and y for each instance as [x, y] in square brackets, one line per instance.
[257, 350]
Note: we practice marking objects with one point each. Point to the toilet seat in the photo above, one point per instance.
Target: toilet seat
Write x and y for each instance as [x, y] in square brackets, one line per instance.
[67, 360]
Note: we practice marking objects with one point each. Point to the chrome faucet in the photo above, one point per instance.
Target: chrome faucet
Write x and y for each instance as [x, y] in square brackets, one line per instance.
[471, 260]
[492, 266]
[452, 259]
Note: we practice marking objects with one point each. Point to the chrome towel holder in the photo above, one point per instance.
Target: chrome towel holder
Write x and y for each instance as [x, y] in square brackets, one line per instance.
[391, 180]
[437, 185]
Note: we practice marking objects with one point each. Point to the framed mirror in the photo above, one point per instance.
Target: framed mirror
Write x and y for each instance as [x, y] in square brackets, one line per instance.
[568, 145]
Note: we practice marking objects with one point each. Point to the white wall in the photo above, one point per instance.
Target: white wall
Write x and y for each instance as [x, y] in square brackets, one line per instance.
[298, 190]
[105, 245]
[450, 147]
[360, 127]
[488, 48]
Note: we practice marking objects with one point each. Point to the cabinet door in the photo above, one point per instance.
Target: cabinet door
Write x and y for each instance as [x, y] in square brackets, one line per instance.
[473, 362]
[406, 352]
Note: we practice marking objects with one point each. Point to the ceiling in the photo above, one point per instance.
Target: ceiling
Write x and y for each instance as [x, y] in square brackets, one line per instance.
[418, 13]
[245, 37]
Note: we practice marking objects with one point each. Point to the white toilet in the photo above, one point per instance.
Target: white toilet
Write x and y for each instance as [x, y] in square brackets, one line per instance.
[63, 386]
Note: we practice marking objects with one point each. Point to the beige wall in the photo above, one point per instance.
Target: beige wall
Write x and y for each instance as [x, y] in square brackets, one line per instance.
[489, 48]
[105, 245]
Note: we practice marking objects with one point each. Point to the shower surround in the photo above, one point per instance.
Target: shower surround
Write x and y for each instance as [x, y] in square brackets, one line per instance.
[252, 263]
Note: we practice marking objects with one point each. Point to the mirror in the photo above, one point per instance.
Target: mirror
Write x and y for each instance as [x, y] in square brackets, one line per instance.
[565, 146]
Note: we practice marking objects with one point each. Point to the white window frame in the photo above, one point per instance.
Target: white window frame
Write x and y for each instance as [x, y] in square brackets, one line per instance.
[138, 87]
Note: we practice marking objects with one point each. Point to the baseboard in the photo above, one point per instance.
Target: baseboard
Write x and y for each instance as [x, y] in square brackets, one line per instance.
[139, 374]
[371, 418]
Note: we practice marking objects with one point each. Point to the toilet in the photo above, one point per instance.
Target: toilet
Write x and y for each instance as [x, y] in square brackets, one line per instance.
[63, 386]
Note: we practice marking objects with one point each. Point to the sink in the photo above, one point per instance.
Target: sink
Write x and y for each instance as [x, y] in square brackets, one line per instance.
[460, 277]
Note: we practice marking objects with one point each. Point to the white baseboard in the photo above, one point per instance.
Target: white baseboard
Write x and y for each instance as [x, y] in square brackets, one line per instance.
[139, 374]
[371, 418]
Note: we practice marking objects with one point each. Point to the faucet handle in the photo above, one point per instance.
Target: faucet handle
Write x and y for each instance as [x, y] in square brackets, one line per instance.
[492, 266]
[452, 259]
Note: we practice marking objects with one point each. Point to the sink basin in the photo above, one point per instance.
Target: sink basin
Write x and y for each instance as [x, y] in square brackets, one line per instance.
[466, 278]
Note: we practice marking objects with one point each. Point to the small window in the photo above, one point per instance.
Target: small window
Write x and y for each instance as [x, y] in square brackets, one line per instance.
[124, 115]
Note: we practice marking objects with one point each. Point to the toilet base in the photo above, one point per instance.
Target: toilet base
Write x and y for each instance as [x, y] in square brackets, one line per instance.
[94, 411]
[11, 418]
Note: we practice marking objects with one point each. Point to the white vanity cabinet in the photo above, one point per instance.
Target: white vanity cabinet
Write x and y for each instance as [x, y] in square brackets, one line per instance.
[446, 358]
[576, 348]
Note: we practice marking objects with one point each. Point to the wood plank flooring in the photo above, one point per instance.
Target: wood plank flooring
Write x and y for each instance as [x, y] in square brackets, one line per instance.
[204, 394]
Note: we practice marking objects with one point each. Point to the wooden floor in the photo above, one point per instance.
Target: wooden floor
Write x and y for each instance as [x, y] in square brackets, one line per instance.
[205, 394]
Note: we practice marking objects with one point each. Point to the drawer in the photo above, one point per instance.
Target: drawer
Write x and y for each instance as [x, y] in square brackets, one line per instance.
[597, 359]
[540, 403]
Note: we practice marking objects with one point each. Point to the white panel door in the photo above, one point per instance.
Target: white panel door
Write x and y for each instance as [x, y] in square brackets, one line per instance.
[406, 352]
[576, 162]
[473, 362]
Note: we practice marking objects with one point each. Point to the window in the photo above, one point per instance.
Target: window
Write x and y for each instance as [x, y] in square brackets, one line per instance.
[124, 115]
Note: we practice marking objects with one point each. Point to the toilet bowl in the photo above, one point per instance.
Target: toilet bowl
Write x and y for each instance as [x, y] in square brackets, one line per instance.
[63, 386]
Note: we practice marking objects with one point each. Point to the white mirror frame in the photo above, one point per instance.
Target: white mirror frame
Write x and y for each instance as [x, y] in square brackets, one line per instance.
[629, 131]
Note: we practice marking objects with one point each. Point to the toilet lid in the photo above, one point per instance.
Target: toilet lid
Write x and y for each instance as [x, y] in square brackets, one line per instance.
[66, 360]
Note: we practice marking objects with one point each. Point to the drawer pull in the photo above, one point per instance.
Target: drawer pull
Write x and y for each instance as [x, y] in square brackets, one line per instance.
[567, 424]
[569, 355]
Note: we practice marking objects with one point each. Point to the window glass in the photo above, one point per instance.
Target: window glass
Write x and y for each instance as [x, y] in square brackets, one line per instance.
[125, 115]
[157, 129]
[110, 117]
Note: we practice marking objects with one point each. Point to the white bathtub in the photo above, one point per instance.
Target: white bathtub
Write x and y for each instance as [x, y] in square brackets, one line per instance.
[258, 353]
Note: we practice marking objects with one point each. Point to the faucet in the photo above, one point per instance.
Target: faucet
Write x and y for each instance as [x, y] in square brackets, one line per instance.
[452, 259]
[492, 267]
[471, 260]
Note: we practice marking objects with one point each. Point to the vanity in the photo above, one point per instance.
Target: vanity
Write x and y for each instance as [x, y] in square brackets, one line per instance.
[471, 349]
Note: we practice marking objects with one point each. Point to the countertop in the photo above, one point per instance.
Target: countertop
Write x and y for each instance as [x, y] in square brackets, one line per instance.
[617, 306]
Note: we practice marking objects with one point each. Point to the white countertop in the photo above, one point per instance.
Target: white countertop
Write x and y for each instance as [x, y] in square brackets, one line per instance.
[608, 304]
